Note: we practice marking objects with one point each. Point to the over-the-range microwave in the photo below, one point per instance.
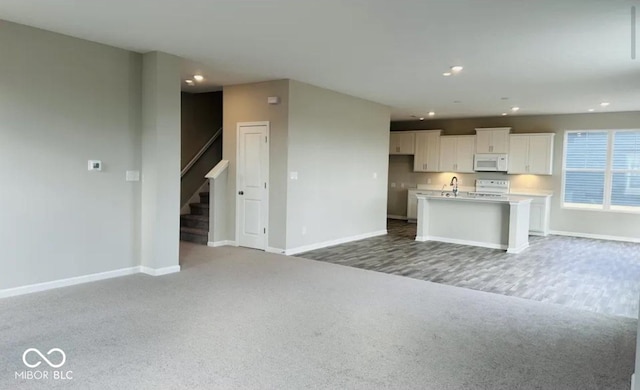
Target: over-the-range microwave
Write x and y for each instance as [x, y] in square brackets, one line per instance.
[490, 162]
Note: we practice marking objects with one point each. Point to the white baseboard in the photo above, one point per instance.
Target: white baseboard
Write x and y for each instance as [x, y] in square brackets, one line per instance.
[216, 244]
[402, 217]
[633, 381]
[279, 251]
[31, 288]
[518, 249]
[160, 271]
[595, 236]
[38, 287]
[461, 242]
[307, 248]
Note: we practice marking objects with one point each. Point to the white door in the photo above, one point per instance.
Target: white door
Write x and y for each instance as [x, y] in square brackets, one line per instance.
[464, 151]
[252, 202]
[518, 154]
[448, 154]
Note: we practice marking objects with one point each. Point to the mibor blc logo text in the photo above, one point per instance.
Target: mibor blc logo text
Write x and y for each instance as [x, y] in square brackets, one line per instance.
[55, 358]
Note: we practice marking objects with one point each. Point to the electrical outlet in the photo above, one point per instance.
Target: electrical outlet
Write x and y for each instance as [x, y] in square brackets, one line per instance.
[393, 185]
[428, 181]
[401, 185]
[375, 175]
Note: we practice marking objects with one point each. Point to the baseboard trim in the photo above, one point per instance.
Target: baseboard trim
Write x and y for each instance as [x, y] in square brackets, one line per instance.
[401, 217]
[160, 271]
[595, 236]
[633, 381]
[38, 287]
[518, 250]
[461, 242]
[307, 248]
[279, 251]
[216, 244]
[32, 288]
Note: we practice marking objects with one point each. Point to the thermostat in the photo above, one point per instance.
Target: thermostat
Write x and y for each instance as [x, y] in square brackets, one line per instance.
[95, 165]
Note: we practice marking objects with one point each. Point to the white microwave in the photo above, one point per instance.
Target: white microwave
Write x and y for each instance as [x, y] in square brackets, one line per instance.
[490, 163]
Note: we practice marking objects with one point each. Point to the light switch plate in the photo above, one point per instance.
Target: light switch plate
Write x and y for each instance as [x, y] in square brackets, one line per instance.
[133, 176]
[94, 165]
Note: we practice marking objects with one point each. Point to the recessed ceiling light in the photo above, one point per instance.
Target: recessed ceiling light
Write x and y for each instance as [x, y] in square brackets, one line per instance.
[456, 68]
[504, 114]
[446, 74]
[189, 81]
[198, 77]
[514, 109]
[604, 104]
[591, 110]
[431, 113]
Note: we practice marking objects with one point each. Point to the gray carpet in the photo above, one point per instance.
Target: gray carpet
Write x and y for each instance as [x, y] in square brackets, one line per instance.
[242, 319]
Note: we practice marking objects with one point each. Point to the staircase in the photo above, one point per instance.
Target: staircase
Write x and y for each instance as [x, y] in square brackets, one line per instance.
[194, 227]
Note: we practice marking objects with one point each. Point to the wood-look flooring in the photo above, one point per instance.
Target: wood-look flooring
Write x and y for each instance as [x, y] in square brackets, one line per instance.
[596, 275]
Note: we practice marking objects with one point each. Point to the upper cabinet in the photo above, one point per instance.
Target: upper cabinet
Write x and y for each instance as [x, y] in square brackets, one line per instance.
[402, 142]
[492, 140]
[456, 153]
[427, 151]
[531, 154]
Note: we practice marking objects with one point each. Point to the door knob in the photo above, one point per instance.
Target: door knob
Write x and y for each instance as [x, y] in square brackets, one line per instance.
[240, 192]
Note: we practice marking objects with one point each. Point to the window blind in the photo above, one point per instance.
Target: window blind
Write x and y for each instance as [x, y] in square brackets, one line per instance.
[585, 168]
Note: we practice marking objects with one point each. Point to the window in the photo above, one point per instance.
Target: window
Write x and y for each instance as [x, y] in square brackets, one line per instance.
[602, 170]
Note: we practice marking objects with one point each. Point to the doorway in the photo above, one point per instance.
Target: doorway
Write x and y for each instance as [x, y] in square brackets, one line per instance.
[252, 182]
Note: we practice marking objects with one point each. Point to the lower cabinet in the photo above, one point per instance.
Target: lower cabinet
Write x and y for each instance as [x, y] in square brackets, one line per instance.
[539, 215]
[412, 203]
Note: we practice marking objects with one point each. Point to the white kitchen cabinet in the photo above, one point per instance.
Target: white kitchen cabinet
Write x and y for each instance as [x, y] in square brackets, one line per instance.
[539, 215]
[531, 154]
[427, 156]
[456, 153]
[412, 203]
[492, 140]
[402, 142]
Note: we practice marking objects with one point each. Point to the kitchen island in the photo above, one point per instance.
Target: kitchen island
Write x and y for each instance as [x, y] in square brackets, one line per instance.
[499, 223]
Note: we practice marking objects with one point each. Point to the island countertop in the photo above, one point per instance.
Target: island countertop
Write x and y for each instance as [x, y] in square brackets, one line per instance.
[470, 198]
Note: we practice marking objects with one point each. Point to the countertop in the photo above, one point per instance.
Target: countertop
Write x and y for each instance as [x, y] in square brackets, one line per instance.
[466, 198]
[514, 191]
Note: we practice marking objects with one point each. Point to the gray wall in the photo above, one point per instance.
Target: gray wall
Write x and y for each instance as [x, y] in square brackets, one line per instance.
[576, 221]
[64, 101]
[336, 144]
[248, 103]
[160, 160]
[201, 117]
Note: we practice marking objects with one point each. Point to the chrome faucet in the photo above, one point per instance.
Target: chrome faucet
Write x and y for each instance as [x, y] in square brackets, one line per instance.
[442, 193]
[454, 185]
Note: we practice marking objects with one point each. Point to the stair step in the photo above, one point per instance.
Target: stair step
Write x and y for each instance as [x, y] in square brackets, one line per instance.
[199, 208]
[204, 197]
[205, 194]
[195, 221]
[198, 236]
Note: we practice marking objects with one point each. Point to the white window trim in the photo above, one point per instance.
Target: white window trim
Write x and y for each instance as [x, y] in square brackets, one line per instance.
[608, 176]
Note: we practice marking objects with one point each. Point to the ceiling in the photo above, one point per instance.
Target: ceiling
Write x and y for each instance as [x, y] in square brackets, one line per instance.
[544, 56]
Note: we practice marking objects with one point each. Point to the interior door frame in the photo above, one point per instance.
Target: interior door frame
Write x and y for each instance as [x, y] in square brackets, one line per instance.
[265, 161]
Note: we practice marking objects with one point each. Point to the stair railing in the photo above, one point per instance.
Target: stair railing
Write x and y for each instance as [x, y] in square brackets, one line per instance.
[201, 152]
